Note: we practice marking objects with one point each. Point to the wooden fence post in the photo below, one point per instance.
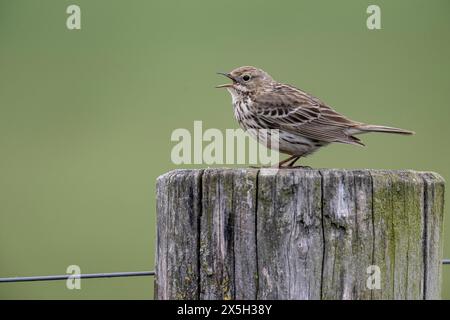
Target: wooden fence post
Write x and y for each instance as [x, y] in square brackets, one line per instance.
[299, 234]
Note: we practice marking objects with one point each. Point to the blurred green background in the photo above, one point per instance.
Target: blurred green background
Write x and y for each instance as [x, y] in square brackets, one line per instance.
[86, 116]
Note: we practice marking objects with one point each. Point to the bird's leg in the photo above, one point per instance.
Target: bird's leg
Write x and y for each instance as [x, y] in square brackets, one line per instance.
[290, 165]
[280, 165]
[294, 160]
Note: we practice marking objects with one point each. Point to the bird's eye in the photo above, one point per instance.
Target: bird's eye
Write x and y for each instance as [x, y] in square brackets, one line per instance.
[246, 77]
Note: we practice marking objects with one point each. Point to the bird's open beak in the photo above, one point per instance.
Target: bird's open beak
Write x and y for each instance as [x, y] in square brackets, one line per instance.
[227, 85]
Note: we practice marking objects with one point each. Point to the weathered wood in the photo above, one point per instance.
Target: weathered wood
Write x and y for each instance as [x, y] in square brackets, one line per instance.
[434, 216]
[383, 215]
[298, 234]
[348, 234]
[289, 234]
[177, 250]
[399, 213]
[245, 268]
[227, 234]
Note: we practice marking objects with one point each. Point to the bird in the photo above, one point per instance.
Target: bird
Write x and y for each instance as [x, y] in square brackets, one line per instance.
[304, 123]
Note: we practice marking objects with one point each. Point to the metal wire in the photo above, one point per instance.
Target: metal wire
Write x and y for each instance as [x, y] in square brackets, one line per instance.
[96, 275]
[81, 276]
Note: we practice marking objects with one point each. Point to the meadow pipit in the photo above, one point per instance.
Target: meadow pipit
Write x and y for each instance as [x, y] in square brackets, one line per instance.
[304, 123]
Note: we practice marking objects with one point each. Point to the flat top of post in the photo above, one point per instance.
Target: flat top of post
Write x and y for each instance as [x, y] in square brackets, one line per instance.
[428, 175]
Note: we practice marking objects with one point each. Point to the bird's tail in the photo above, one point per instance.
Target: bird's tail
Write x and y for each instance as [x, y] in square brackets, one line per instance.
[374, 128]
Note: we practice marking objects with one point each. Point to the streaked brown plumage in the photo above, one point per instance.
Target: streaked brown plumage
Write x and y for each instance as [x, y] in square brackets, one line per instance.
[305, 123]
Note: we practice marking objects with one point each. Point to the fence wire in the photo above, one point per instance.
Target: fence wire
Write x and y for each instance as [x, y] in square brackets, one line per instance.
[80, 276]
[96, 275]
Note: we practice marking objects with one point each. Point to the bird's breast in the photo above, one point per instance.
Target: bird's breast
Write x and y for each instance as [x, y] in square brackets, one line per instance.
[243, 108]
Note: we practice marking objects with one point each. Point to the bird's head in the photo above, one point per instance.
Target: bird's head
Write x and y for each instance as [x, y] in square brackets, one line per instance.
[246, 79]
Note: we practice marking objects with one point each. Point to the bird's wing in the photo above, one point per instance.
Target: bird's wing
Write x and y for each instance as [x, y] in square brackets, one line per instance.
[290, 109]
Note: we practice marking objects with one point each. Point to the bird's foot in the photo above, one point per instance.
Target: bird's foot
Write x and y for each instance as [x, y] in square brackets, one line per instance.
[280, 167]
[297, 167]
[266, 167]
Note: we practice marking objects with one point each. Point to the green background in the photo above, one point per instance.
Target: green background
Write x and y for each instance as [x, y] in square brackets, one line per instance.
[86, 116]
